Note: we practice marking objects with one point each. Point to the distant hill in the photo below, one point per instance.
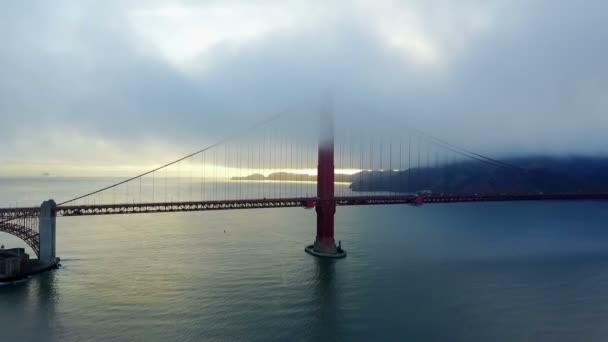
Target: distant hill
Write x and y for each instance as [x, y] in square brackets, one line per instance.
[288, 177]
[537, 174]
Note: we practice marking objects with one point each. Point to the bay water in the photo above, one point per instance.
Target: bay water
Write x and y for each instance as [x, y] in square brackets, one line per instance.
[527, 271]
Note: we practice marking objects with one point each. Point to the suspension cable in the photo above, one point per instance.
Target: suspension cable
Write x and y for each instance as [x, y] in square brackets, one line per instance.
[235, 136]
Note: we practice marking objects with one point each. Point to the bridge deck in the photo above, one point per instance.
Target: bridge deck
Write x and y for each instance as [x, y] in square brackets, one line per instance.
[311, 202]
[160, 207]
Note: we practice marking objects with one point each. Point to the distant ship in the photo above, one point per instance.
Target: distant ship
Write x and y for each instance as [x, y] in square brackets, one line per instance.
[46, 174]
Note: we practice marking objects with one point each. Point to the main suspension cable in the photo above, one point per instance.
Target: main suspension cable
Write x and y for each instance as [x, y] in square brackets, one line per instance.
[239, 135]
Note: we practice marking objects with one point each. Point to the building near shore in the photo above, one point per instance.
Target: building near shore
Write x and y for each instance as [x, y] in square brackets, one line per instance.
[14, 263]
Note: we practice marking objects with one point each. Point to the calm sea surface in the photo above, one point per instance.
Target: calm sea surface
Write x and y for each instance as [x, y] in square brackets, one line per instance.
[451, 272]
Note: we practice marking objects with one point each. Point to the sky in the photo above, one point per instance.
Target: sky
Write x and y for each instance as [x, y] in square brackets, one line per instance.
[131, 84]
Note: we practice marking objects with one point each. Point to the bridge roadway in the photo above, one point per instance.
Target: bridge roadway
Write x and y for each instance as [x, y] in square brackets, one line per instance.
[305, 202]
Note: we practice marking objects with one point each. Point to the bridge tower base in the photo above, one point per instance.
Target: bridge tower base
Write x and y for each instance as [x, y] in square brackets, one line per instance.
[47, 232]
[325, 245]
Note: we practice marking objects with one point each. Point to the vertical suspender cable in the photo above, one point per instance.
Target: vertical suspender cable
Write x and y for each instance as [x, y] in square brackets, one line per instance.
[409, 163]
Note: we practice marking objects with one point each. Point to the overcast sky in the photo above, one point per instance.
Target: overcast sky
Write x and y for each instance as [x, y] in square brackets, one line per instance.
[103, 82]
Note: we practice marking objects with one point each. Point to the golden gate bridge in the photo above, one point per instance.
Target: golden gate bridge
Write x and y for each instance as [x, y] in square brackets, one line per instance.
[272, 166]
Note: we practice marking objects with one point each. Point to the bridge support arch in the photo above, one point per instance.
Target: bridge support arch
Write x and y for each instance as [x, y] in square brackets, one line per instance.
[47, 229]
[325, 244]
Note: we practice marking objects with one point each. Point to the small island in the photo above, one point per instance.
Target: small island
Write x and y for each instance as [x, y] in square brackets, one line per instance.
[291, 177]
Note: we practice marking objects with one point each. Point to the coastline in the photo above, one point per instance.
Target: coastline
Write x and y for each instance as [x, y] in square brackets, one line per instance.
[37, 268]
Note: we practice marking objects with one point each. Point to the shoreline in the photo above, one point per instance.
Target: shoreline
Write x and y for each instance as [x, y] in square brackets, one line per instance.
[37, 268]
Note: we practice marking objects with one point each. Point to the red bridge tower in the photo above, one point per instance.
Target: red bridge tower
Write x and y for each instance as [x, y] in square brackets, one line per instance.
[325, 245]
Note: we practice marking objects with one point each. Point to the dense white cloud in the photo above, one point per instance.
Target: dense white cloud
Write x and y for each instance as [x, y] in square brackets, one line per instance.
[96, 81]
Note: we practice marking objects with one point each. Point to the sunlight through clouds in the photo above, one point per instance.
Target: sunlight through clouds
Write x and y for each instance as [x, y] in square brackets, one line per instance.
[122, 82]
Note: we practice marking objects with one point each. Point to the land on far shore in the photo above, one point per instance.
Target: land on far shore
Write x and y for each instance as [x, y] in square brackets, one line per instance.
[290, 177]
[531, 175]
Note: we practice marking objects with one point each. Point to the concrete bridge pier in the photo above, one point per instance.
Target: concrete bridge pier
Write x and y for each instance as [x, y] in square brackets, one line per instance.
[47, 232]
